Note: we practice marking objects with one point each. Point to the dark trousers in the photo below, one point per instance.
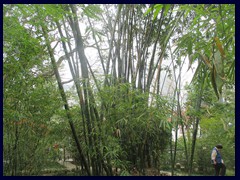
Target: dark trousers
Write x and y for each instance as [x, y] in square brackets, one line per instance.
[220, 169]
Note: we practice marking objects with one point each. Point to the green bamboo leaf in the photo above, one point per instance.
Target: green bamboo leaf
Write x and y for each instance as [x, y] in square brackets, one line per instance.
[167, 7]
[158, 8]
[148, 11]
[196, 72]
[213, 81]
[187, 12]
[169, 125]
[141, 115]
[87, 30]
[93, 11]
[195, 21]
[189, 45]
[161, 124]
[190, 57]
[231, 71]
[99, 35]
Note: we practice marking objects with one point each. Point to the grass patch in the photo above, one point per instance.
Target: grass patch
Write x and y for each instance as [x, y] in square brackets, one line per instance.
[230, 172]
[54, 165]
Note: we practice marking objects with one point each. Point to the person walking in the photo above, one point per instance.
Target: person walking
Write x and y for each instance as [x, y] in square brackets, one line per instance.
[217, 161]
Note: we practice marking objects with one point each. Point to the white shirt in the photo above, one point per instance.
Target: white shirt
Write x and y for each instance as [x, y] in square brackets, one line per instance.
[214, 154]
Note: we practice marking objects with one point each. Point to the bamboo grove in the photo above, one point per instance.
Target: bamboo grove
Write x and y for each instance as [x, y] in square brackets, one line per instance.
[125, 114]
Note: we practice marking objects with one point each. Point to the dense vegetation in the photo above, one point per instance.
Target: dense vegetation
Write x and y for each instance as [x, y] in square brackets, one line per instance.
[127, 104]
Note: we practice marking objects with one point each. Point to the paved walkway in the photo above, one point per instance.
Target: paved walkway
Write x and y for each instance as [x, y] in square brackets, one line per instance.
[68, 165]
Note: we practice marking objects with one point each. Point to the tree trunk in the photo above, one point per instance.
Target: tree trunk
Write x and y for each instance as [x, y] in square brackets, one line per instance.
[201, 77]
[64, 98]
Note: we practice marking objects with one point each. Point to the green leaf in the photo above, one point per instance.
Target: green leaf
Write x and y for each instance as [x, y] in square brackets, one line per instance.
[190, 57]
[189, 45]
[196, 72]
[93, 11]
[157, 8]
[148, 11]
[213, 80]
[187, 12]
[166, 7]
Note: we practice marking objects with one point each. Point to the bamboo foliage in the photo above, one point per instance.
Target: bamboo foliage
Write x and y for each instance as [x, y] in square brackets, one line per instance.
[118, 114]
